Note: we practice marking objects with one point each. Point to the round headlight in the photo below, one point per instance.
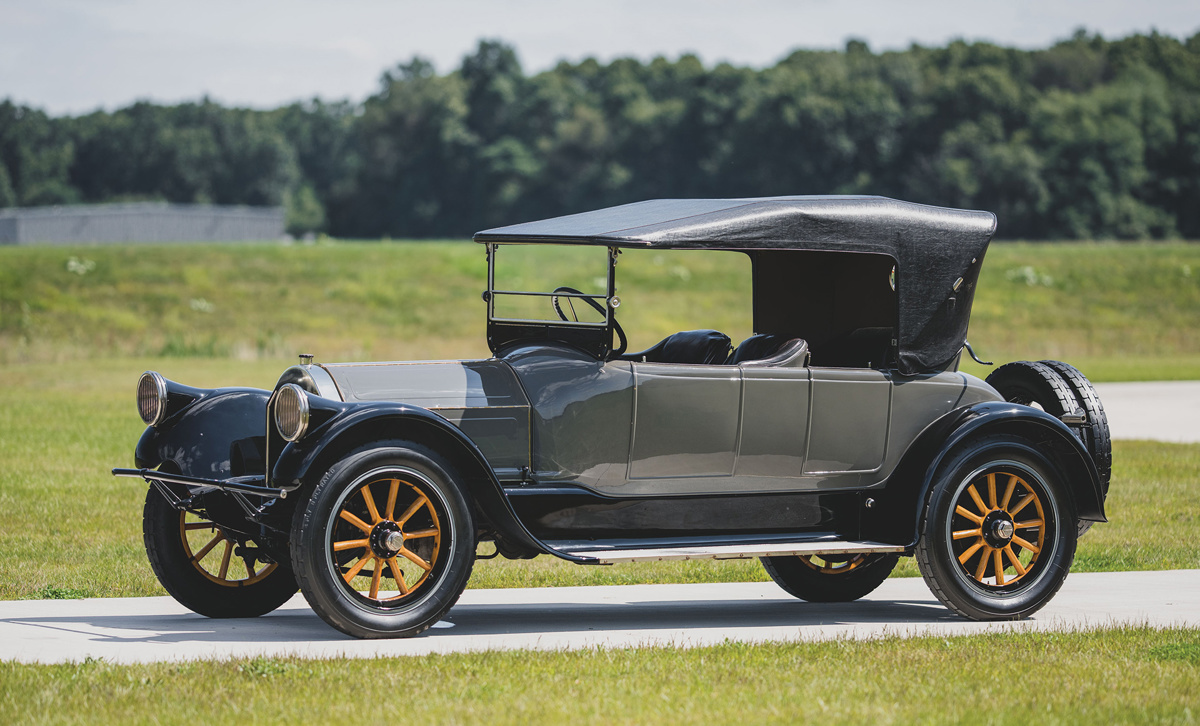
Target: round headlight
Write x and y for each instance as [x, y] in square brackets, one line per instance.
[291, 412]
[152, 398]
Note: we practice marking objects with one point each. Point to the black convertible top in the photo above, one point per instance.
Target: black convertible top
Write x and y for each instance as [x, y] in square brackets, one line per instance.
[937, 251]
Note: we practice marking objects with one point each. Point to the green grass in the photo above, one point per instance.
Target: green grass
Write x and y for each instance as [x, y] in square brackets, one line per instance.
[1119, 311]
[1128, 675]
[68, 528]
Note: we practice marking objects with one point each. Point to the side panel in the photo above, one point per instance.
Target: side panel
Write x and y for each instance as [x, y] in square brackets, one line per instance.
[686, 420]
[851, 409]
[775, 410]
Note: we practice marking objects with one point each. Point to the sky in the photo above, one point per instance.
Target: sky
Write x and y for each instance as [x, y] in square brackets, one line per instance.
[74, 56]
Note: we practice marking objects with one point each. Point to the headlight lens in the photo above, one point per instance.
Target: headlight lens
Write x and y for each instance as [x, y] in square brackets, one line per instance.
[152, 398]
[291, 412]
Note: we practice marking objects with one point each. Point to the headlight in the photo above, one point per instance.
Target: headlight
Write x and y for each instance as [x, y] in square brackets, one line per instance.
[152, 398]
[291, 411]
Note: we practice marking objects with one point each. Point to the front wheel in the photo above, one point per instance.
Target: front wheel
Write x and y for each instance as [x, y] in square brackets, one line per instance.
[209, 570]
[385, 544]
[998, 535]
[830, 578]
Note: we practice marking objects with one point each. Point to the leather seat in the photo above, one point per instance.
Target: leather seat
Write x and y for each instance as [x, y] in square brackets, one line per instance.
[755, 347]
[702, 347]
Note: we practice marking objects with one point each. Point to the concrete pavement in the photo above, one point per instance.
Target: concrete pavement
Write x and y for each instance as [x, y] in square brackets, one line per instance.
[129, 630]
[1159, 410]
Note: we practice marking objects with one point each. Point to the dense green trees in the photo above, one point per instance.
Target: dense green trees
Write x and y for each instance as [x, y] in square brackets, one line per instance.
[1088, 138]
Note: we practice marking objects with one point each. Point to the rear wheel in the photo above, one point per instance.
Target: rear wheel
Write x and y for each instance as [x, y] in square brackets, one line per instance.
[208, 569]
[385, 544]
[830, 578]
[998, 535]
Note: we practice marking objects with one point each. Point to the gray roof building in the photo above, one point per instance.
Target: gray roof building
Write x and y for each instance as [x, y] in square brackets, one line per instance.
[139, 222]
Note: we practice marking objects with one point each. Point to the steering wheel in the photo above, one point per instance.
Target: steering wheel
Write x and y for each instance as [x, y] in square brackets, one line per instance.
[623, 343]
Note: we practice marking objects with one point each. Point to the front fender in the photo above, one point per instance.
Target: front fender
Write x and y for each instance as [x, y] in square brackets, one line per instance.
[305, 461]
[199, 438]
[895, 515]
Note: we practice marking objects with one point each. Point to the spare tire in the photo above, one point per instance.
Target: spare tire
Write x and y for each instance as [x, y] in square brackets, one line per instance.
[1029, 383]
[1058, 388]
[1096, 435]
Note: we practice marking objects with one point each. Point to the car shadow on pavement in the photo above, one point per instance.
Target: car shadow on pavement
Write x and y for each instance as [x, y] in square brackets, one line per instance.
[299, 624]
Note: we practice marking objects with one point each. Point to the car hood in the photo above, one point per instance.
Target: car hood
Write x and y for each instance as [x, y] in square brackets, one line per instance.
[430, 384]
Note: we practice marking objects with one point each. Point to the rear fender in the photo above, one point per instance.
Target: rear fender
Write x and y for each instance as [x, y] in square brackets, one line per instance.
[200, 438]
[303, 462]
[894, 517]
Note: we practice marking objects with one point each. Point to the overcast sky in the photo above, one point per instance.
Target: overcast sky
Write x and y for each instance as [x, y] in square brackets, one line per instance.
[73, 56]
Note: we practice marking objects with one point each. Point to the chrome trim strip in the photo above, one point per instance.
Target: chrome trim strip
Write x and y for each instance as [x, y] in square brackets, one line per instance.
[323, 382]
[735, 552]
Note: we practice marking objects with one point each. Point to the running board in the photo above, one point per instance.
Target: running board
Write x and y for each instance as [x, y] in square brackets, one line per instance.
[733, 552]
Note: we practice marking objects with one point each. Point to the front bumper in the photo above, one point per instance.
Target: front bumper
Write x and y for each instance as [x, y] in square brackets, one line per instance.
[242, 484]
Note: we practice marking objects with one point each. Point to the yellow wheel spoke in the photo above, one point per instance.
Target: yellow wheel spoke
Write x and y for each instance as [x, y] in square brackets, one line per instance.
[394, 490]
[351, 544]
[398, 575]
[1008, 491]
[355, 521]
[199, 525]
[1029, 524]
[991, 480]
[969, 514]
[225, 560]
[416, 560]
[374, 594]
[412, 509]
[983, 563]
[250, 573]
[964, 533]
[962, 559]
[983, 508]
[1012, 557]
[366, 494]
[998, 563]
[353, 573]
[1032, 548]
[208, 547]
[1021, 504]
[421, 533]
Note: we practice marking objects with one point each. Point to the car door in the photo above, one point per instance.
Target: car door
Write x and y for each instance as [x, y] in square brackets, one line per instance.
[851, 414]
[685, 427]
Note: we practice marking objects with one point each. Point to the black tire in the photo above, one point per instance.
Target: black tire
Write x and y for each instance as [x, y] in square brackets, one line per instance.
[956, 568]
[1059, 388]
[195, 562]
[1029, 383]
[383, 488]
[1096, 437]
[830, 578]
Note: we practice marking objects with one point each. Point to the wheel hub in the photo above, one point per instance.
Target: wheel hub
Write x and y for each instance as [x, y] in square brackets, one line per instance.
[387, 539]
[998, 529]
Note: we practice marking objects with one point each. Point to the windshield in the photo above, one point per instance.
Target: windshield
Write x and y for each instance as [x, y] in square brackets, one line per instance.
[566, 284]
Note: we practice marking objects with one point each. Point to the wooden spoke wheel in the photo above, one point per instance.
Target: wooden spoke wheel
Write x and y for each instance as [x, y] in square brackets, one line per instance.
[388, 538]
[999, 534]
[830, 578]
[207, 569]
[998, 529]
[211, 551]
[385, 544]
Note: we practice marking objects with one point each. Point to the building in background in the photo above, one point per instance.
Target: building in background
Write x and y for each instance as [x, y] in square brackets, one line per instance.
[139, 222]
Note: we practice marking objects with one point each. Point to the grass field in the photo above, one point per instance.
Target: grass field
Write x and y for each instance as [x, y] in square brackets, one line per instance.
[1119, 311]
[1132, 675]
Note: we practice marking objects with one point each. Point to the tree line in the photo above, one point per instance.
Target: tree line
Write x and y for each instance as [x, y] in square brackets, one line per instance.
[1089, 138]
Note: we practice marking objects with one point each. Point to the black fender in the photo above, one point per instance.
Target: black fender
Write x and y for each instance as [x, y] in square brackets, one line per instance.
[894, 517]
[199, 437]
[305, 461]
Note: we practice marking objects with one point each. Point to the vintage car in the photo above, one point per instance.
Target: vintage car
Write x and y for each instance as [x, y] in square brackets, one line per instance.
[837, 438]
